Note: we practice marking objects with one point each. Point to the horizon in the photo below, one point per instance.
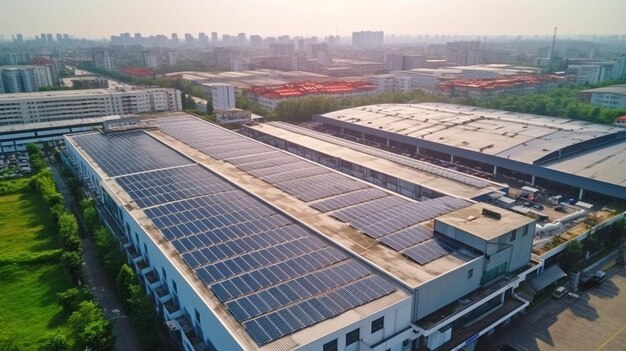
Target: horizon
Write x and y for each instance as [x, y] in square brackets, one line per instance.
[94, 20]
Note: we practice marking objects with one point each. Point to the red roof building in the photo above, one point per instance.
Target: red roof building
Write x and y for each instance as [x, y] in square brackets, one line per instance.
[482, 88]
[138, 71]
[270, 96]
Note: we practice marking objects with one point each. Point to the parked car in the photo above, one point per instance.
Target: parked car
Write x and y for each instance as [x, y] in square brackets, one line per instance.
[538, 207]
[559, 292]
[598, 278]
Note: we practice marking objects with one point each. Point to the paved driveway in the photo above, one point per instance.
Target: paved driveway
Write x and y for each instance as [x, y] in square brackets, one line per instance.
[595, 321]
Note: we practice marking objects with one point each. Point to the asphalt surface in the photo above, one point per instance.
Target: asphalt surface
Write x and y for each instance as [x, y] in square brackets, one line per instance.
[594, 321]
[125, 336]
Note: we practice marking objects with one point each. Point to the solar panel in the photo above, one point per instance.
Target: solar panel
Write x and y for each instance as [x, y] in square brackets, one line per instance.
[407, 161]
[168, 185]
[259, 262]
[316, 309]
[369, 207]
[431, 250]
[106, 149]
[402, 239]
[349, 199]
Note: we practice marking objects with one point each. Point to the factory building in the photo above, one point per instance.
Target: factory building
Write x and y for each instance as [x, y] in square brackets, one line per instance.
[246, 247]
[585, 158]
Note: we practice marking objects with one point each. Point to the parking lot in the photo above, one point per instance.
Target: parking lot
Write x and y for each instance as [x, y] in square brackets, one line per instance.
[595, 321]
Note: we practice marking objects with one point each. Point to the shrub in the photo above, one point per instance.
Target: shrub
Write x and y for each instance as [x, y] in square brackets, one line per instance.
[72, 297]
[90, 327]
[56, 342]
[73, 262]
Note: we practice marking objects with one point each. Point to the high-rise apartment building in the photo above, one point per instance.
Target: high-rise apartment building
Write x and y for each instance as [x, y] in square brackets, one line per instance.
[223, 95]
[367, 39]
[18, 79]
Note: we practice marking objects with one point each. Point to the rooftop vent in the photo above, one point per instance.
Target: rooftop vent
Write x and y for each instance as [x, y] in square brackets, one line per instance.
[492, 214]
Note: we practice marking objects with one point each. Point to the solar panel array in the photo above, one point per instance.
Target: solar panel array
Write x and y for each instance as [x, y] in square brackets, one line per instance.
[392, 220]
[273, 275]
[431, 250]
[105, 149]
[406, 161]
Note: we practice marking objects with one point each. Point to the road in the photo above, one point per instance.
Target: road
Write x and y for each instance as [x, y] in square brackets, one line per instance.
[125, 336]
[595, 321]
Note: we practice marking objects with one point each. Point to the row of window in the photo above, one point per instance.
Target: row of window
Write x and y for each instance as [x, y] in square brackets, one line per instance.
[354, 335]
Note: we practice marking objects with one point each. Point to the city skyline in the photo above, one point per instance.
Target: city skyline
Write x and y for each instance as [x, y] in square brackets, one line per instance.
[96, 20]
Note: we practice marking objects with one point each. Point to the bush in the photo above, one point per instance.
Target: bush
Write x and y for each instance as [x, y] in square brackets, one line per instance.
[90, 327]
[571, 256]
[90, 214]
[108, 252]
[72, 297]
[125, 279]
[56, 342]
[73, 262]
[7, 344]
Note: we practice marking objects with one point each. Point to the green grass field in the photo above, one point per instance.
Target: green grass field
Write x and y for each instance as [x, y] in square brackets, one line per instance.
[30, 271]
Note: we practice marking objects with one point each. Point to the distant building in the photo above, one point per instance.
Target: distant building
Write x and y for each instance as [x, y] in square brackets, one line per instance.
[19, 79]
[484, 88]
[233, 116]
[223, 95]
[367, 39]
[613, 96]
[463, 52]
[594, 72]
[102, 59]
[389, 82]
[281, 49]
[269, 97]
[51, 106]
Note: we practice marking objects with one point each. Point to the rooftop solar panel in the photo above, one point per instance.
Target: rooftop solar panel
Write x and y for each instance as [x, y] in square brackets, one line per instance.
[256, 260]
[431, 250]
[105, 150]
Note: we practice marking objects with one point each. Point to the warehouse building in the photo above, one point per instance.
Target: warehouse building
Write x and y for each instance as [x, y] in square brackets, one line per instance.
[582, 157]
[404, 175]
[245, 247]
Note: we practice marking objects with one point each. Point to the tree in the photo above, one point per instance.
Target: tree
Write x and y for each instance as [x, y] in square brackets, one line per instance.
[8, 344]
[209, 107]
[572, 255]
[73, 262]
[72, 297]
[125, 278]
[56, 342]
[90, 327]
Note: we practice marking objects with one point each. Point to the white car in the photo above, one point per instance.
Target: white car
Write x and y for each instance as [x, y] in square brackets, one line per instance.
[559, 292]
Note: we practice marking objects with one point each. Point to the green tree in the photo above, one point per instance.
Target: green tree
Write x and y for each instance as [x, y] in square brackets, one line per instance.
[72, 297]
[73, 262]
[90, 327]
[125, 278]
[8, 344]
[571, 256]
[56, 342]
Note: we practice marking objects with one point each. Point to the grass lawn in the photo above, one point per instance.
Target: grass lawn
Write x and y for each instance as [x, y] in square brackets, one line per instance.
[30, 271]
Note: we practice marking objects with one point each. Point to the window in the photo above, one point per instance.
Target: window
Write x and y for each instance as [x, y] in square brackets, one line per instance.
[378, 324]
[525, 230]
[164, 274]
[470, 274]
[330, 346]
[513, 235]
[352, 337]
[197, 316]
[175, 287]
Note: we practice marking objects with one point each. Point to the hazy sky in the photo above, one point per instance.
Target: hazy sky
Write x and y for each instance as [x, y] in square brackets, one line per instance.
[101, 18]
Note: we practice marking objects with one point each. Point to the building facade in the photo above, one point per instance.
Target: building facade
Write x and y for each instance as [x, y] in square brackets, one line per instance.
[20, 79]
[61, 105]
[223, 95]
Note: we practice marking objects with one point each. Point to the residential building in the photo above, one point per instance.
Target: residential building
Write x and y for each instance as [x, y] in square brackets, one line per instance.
[367, 39]
[223, 95]
[24, 108]
[102, 59]
[613, 96]
[29, 78]
[269, 97]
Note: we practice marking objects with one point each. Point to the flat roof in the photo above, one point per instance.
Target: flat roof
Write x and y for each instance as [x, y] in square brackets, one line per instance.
[521, 137]
[473, 220]
[229, 149]
[158, 179]
[71, 93]
[298, 89]
[353, 152]
[619, 89]
[55, 124]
